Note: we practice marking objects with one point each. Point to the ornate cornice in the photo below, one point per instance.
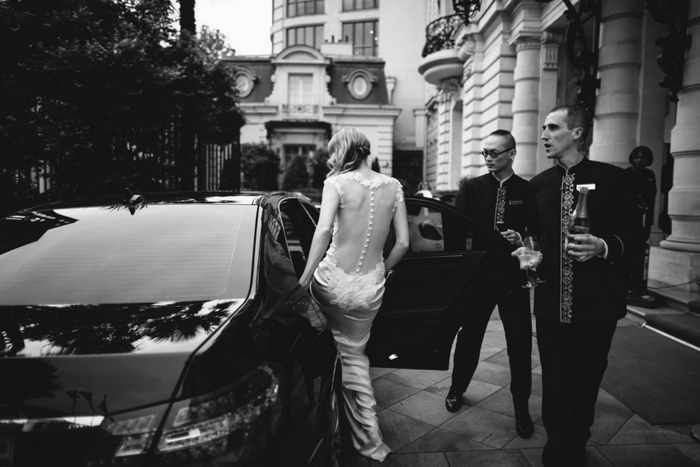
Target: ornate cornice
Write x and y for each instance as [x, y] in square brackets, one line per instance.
[550, 50]
[450, 88]
[528, 43]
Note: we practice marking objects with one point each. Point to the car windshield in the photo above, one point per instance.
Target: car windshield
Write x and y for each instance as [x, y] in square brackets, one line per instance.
[99, 255]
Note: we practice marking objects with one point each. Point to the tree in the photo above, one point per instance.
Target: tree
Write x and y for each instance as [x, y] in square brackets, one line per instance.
[95, 91]
[260, 166]
[296, 175]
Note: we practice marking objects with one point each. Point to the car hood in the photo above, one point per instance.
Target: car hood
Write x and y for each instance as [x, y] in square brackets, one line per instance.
[91, 360]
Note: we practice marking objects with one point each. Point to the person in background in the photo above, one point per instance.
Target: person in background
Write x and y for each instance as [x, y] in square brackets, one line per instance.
[578, 306]
[498, 199]
[358, 209]
[643, 183]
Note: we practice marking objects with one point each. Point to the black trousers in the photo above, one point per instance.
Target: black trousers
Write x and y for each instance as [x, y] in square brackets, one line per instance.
[574, 358]
[514, 310]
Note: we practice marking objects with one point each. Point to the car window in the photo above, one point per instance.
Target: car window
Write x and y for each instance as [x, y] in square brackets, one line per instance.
[433, 230]
[298, 231]
[108, 255]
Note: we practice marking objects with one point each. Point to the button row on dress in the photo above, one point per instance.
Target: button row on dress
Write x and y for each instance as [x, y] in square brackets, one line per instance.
[369, 230]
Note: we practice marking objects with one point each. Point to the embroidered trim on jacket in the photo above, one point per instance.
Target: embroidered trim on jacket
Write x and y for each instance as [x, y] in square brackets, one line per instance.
[567, 263]
[500, 206]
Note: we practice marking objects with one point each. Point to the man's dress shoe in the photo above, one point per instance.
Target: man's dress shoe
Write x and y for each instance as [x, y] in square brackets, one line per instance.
[523, 424]
[453, 401]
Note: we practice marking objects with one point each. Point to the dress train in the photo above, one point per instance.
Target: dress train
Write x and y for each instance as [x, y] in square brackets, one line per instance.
[351, 330]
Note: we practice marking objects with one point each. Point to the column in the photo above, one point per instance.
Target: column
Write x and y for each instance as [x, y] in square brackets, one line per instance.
[619, 64]
[526, 124]
[678, 259]
[549, 81]
[472, 95]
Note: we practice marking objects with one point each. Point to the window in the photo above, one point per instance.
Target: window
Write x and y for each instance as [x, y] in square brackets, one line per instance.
[298, 232]
[304, 7]
[97, 256]
[364, 37]
[300, 92]
[433, 230]
[351, 5]
[305, 35]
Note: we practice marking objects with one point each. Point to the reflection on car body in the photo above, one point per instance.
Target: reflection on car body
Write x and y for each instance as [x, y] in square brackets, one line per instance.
[168, 332]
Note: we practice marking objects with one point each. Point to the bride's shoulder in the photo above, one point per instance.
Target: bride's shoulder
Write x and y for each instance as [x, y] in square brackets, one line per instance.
[391, 180]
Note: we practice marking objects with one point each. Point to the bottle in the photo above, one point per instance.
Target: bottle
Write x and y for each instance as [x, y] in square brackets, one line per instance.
[580, 224]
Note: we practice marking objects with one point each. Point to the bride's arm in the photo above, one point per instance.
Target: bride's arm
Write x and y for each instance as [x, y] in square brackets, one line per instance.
[400, 222]
[329, 206]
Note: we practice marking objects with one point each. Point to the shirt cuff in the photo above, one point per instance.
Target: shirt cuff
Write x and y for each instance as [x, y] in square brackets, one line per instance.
[603, 254]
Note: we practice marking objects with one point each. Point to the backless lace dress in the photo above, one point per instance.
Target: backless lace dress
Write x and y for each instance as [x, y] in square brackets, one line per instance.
[349, 285]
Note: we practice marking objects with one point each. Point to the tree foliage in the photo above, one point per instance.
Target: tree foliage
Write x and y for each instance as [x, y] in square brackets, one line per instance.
[94, 92]
[260, 166]
[296, 176]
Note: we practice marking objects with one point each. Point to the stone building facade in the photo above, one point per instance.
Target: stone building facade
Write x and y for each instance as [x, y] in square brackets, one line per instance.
[509, 64]
[338, 63]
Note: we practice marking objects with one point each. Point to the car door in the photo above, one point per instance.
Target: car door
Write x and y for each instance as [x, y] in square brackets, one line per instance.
[308, 355]
[442, 275]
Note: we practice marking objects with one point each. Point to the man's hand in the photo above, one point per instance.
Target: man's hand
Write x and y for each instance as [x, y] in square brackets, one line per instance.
[513, 237]
[528, 258]
[584, 247]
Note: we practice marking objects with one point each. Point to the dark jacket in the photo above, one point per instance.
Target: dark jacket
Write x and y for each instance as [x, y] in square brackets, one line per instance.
[583, 292]
[487, 200]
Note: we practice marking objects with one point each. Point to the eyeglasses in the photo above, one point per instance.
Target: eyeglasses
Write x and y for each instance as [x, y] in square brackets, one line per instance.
[493, 153]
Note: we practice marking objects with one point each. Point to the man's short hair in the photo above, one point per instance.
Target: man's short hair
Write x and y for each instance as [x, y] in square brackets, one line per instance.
[510, 141]
[577, 117]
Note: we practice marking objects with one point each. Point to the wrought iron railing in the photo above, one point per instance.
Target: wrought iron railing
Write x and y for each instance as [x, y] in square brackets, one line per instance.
[466, 8]
[308, 110]
[674, 44]
[439, 35]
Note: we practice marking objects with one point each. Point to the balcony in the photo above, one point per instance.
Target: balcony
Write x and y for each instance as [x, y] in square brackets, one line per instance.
[440, 56]
[300, 111]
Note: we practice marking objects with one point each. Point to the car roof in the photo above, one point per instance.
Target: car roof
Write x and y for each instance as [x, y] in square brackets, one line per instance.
[175, 197]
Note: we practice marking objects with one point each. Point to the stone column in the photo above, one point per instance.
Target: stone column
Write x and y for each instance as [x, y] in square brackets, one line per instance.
[678, 259]
[472, 97]
[526, 96]
[549, 80]
[619, 64]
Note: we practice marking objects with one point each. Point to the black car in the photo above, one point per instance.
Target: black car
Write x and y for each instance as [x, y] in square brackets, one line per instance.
[170, 329]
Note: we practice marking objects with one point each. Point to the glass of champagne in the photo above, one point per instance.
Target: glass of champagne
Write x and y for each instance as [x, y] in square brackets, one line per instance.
[530, 256]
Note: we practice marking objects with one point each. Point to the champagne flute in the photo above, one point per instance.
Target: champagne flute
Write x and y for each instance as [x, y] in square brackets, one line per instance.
[530, 256]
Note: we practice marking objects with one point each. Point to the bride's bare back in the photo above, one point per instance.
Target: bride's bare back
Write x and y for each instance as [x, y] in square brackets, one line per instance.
[363, 219]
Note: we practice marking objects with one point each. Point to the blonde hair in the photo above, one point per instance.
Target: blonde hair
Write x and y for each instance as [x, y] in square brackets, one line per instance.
[348, 148]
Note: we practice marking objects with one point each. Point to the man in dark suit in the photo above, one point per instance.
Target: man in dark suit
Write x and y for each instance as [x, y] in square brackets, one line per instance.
[498, 199]
[578, 307]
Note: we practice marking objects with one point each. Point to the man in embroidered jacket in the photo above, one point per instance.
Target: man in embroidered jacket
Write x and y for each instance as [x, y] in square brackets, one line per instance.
[578, 307]
[497, 200]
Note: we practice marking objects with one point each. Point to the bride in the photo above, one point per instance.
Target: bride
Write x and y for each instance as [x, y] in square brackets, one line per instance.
[358, 208]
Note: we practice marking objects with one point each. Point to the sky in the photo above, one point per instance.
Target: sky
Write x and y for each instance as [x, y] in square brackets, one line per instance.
[245, 23]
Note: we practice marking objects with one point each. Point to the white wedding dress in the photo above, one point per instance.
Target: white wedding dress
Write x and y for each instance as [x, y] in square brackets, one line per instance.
[349, 285]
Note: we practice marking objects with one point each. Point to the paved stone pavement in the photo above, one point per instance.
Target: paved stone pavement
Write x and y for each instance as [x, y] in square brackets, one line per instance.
[422, 433]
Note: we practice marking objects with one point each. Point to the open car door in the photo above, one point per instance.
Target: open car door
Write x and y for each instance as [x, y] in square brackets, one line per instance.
[441, 276]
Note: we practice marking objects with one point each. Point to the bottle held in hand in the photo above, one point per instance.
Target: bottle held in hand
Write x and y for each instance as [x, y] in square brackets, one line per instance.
[580, 223]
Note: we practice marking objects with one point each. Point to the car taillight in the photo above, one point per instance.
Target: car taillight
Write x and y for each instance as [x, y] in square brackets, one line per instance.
[222, 424]
[232, 423]
[135, 434]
